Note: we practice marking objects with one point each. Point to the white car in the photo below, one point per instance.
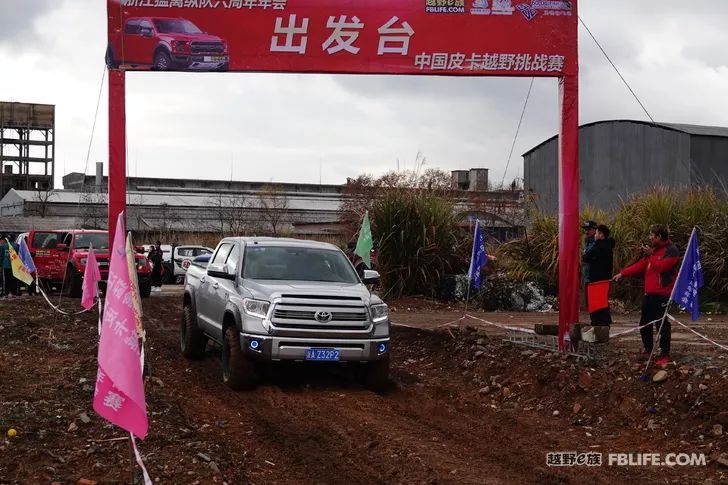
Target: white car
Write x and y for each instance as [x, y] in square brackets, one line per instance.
[182, 257]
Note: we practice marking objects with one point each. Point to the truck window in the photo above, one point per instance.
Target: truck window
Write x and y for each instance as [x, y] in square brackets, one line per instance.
[185, 252]
[99, 241]
[132, 27]
[222, 253]
[232, 260]
[45, 240]
[301, 264]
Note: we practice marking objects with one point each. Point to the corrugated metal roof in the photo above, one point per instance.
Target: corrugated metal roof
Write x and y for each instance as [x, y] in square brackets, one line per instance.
[24, 224]
[295, 202]
[695, 130]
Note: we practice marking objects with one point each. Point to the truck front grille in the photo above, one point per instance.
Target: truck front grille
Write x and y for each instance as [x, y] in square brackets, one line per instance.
[321, 314]
[207, 48]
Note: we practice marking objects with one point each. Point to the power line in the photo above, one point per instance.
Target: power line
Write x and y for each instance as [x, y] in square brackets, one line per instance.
[518, 129]
[617, 70]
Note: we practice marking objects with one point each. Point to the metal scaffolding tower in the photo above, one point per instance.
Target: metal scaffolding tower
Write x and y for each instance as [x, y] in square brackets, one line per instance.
[27, 141]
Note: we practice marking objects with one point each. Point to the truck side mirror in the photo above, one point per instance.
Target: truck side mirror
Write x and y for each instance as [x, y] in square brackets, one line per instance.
[221, 271]
[371, 277]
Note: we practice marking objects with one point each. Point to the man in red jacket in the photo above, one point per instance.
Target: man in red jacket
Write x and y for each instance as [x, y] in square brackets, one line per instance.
[659, 266]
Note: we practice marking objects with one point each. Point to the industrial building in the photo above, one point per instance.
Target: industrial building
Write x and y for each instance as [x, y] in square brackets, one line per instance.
[619, 158]
[168, 208]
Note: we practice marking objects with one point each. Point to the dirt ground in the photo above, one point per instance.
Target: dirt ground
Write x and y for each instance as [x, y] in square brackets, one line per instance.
[465, 407]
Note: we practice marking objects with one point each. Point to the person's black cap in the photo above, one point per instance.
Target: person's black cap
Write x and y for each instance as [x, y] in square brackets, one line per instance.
[589, 225]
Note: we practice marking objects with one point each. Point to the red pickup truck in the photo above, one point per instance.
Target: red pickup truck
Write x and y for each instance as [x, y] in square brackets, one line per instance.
[60, 258]
[166, 44]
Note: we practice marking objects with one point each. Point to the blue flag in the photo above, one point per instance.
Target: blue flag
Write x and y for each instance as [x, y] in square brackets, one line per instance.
[25, 256]
[478, 258]
[689, 279]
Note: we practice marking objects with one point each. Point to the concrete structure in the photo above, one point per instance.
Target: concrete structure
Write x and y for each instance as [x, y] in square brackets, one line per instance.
[473, 180]
[166, 206]
[619, 158]
[27, 146]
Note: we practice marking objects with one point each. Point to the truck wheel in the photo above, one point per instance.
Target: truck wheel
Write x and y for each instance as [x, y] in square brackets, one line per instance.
[74, 284]
[168, 273]
[192, 341]
[162, 61]
[145, 289]
[110, 61]
[377, 375]
[237, 370]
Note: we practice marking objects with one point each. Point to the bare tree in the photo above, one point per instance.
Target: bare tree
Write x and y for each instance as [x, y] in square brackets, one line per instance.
[167, 219]
[230, 213]
[94, 214]
[42, 197]
[274, 207]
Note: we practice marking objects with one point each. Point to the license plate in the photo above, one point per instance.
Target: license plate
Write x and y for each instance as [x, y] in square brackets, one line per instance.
[215, 59]
[322, 354]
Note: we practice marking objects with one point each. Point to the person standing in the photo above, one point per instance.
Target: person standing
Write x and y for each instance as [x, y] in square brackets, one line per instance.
[599, 257]
[10, 283]
[659, 266]
[590, 231]
[156, 256]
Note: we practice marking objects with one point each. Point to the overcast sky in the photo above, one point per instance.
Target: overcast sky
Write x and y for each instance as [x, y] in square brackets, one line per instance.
[285, 128]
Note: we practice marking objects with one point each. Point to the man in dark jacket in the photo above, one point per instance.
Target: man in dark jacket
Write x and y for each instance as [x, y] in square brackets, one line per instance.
[598, 257]
[156, 256]
[659, 266]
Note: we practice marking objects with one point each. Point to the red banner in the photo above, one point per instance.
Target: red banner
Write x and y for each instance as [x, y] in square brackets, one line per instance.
[446, 37]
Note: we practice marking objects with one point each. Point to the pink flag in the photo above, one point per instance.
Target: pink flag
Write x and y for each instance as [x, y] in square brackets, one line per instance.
[91, 278]
[119, 395]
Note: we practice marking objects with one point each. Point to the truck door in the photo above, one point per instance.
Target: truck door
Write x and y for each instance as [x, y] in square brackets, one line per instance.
[208, 288]
[223, 288]
[47, 258]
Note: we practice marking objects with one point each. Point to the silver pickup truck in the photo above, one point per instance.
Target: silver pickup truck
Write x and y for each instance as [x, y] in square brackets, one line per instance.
[276, 299]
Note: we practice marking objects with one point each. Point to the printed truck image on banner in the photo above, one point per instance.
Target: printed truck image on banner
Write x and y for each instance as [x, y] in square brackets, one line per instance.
[446, 37]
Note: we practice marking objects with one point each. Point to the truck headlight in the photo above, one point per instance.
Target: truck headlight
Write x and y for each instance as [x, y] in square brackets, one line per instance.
[256, 308]
[379, 312]
[83, 261]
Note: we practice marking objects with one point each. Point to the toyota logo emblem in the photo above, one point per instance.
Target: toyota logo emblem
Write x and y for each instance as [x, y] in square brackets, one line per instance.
[324, 317]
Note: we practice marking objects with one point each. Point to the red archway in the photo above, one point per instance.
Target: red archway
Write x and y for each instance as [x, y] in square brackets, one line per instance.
[531, 38]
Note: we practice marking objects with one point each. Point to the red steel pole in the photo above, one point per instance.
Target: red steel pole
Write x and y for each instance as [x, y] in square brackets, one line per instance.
[117, 148]
[568, 205]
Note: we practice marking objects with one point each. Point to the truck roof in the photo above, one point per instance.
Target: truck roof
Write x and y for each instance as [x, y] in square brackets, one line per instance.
[282, 241]
[72, 231]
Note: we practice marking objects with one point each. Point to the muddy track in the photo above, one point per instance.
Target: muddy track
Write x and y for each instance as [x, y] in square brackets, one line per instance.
[303, 424]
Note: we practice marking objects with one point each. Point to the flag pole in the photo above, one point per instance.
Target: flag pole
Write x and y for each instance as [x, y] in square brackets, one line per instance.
[669, 301]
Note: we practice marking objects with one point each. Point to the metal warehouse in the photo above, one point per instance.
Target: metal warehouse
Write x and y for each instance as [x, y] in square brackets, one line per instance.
[619, 158]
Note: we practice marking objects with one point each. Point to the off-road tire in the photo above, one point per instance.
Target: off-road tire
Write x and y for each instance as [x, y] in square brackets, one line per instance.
[162, 61]
[110, 61]
[192, 342]
[238, 371]
[73, 286]
[376, 375]
[145, 289]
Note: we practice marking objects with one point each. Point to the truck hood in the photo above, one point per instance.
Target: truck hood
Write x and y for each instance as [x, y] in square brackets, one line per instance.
[270, 289]
[192, 37]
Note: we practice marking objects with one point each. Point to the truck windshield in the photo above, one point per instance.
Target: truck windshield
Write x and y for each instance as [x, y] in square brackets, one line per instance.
[176, 26]
[84, 241]
[299, 264]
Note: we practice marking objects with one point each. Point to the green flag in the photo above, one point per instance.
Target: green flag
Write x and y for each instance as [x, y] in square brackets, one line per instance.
[365, 244]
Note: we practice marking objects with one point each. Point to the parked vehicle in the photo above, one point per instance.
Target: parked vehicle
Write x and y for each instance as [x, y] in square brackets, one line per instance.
[182, 257]
[202, 260]
[176, 260]
[276, 299]
[166, 44]
[60, 259]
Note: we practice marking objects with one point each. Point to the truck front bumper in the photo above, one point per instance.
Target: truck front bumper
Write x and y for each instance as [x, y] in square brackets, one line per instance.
[269, 348]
